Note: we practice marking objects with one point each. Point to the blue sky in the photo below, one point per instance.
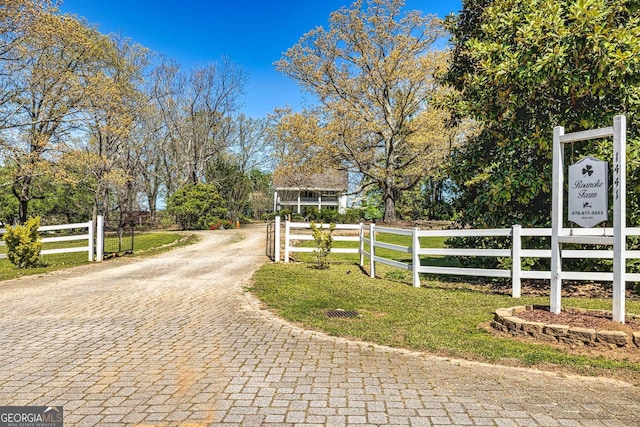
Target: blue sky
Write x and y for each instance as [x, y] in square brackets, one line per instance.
[251, 33]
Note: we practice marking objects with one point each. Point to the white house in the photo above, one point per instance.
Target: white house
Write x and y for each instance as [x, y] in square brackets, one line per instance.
[296, 192]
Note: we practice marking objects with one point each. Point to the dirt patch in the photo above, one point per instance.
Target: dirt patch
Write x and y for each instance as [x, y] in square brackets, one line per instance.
[575, 290]
[542, 288]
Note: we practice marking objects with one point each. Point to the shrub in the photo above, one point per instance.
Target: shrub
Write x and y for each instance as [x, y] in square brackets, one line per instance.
[312, 213]
[352, 216]
[371, 213]
[329, 215]
[24, 244]
[324, 242]
[196, 206]
[221, 224]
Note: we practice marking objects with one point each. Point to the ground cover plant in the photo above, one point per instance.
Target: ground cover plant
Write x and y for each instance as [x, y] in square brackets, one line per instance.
[447, 316]
[144, 244]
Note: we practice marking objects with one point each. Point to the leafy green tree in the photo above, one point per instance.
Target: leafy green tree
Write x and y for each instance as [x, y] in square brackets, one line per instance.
[67, 203]
[521, 68]
[261, 198]
[58, 201]
[45, 87]
[372, 205]
[8, 202]
[373, 72]
[431, 199]
[196, 206]
[233, 185]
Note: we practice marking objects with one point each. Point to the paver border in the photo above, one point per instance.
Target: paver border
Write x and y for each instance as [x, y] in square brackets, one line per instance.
[507, 320]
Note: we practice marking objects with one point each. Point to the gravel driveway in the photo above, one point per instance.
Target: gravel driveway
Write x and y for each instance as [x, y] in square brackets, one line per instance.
[172, 340]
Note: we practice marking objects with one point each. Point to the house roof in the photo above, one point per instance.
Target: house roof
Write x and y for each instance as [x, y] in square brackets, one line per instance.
[330, 180]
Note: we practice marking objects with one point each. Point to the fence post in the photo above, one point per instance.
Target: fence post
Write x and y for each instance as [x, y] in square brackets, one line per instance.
[372, 250]
[100, 238]
[276, 239]
[90, 232]
[287, 227]
[415, 263]
[361, 245]
[516, 262]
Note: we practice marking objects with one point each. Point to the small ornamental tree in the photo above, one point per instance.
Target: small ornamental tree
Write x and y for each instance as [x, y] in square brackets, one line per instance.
[324, 242]
[24, 244]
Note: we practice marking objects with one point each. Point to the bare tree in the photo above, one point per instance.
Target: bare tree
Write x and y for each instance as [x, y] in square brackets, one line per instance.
[197, 110]
[249, 143]
[150, 134]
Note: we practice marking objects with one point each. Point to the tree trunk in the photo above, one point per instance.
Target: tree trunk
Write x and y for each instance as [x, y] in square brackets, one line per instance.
[23, 211]
[103, 201]
[390, 197]
[151, 198]
[20, 190]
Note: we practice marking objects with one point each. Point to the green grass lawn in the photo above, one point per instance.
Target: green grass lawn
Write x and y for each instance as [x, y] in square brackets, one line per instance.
[144, 244]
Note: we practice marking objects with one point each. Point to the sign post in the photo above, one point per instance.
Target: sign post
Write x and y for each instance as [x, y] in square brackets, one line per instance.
[588, 203]
[619, 216]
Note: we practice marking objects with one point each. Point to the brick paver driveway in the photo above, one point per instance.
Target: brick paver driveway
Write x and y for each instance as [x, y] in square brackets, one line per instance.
[173, 341]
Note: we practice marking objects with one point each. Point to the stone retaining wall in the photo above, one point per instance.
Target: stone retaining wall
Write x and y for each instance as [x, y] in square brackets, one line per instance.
[507, 320]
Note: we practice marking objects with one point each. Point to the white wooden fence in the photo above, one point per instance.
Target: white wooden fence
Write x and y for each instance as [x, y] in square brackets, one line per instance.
[93, 251]
[368, 242]
[289, 237]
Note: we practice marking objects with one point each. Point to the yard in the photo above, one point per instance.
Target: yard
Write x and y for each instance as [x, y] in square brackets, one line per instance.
[444, 316]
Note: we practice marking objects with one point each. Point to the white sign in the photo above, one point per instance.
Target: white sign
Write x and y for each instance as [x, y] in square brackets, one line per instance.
[588, 192]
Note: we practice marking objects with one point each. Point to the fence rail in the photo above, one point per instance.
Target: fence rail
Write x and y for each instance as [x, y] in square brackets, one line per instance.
[47, 238]
[368, 243]
[94, 237]
[289, 238]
